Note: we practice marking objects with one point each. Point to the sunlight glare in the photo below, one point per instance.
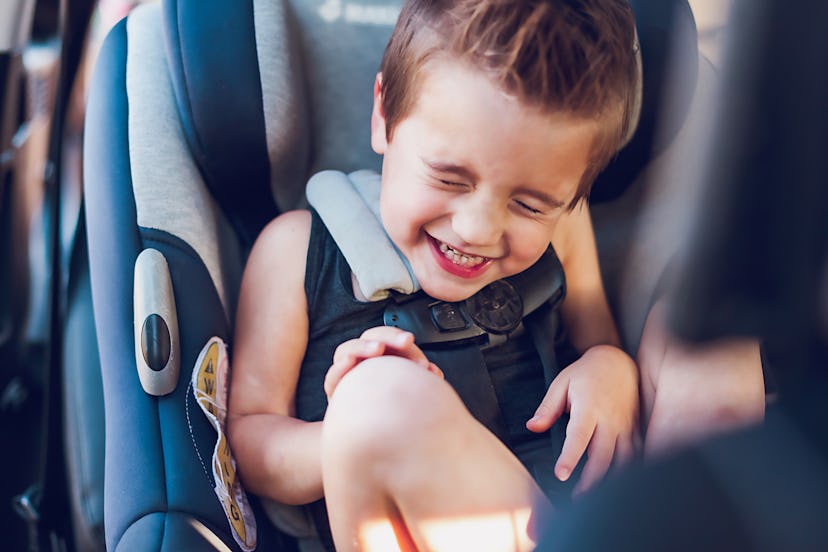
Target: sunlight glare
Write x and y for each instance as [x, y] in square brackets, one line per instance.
[497, 532]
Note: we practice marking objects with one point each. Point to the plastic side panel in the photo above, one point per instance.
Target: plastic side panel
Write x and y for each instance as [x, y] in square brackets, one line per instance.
[187, 437]
[134, 475]
[200, 316]
[178, 532]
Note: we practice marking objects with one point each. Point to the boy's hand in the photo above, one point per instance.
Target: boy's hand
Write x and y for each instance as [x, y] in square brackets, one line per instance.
[375, 342]
[600, 392]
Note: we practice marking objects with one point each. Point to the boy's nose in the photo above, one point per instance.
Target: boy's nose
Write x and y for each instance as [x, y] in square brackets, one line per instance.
[479, 224]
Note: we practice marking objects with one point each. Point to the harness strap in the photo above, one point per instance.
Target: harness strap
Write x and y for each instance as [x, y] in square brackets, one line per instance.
[348, 204]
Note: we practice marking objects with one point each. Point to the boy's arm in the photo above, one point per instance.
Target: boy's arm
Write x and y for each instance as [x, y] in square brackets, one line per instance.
[585, 310]
[277, 454]
[600, 389]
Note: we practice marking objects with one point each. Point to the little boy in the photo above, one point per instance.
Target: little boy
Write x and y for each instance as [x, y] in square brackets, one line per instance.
[493, 117]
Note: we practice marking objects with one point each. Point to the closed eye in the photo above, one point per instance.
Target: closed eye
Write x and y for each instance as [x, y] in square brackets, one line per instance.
[449, 185]
[450, 182]
[528, 208]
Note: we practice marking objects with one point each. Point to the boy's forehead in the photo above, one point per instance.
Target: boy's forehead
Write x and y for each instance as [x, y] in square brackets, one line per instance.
[463, 123]
[453, 91]
[444, 79]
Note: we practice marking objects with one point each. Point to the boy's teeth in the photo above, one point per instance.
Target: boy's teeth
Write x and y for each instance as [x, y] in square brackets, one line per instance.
[459, 258]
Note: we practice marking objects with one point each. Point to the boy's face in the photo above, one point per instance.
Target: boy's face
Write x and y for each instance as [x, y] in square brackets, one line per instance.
[473, 182]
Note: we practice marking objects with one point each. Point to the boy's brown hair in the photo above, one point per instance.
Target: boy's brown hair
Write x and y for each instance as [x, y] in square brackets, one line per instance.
[573, 56]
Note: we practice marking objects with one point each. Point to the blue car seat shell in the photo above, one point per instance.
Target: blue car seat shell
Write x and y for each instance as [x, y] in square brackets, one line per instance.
[152, 461]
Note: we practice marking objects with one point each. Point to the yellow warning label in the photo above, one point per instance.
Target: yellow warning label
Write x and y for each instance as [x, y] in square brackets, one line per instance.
[210, 389]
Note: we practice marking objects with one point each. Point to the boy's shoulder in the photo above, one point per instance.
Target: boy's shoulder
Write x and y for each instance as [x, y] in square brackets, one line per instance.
[290, 225]
[283, 241]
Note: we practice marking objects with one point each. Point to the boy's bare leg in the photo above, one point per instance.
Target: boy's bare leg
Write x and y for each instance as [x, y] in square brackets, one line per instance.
[689, 392]
[406, 466]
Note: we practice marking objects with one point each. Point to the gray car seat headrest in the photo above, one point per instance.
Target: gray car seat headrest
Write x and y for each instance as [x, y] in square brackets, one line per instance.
[267, 83]
[670, 57]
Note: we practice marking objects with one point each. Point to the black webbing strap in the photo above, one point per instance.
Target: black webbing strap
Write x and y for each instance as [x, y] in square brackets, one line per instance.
[465, 369]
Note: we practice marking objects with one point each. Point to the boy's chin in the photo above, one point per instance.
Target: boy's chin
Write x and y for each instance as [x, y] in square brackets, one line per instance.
[451, 293]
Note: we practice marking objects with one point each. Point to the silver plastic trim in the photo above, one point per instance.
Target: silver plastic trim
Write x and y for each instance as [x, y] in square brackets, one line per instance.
[154, 295]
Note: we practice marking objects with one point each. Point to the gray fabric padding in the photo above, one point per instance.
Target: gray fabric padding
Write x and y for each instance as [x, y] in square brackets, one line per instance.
[349, 206]
[164, 175]
[341, 44]
[640, 233]
[283, 100]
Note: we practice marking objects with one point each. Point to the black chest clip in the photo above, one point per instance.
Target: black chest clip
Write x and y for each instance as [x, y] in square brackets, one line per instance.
[487, 317]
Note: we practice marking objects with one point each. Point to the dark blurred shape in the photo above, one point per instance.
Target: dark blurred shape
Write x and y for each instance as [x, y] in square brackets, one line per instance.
[763, 489]
[755, 266]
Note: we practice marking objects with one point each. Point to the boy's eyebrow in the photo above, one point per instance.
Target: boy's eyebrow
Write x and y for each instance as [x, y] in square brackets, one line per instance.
[469, 174]
[543, 197]
[453, 168]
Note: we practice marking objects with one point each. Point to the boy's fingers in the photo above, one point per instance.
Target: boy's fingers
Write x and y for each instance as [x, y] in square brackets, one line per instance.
[579, 431]
[599, 459]
[551, 407]
[335, 373]
[354, 349]
[374, 342]
[346, 356]
[397, 342]
[389, 334]
[434, 369]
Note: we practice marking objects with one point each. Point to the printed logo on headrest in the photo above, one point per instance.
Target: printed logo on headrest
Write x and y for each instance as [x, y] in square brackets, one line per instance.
[355, 12]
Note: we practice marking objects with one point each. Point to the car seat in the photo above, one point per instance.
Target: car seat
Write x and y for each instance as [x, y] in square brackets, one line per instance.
[204, 120]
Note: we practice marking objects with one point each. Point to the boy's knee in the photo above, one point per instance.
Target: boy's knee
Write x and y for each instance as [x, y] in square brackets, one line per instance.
[383, 407]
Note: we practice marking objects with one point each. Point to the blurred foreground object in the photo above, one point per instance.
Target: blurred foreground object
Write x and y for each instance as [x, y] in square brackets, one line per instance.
[755, 266]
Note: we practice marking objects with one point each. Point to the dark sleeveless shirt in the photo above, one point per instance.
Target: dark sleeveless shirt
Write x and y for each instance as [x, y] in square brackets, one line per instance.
[335, 316]
[511, 375]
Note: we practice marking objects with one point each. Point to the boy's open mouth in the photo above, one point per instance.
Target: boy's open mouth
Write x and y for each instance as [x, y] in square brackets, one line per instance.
[459, 258]
[458, 262]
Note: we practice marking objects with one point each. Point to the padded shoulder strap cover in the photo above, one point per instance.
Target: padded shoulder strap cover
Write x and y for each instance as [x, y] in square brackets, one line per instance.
[349, 206]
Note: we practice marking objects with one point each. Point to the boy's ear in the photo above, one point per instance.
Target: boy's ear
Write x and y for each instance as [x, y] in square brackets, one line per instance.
[379, 143]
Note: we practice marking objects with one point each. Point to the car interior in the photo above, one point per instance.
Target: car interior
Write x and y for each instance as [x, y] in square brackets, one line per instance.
[201, 121]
